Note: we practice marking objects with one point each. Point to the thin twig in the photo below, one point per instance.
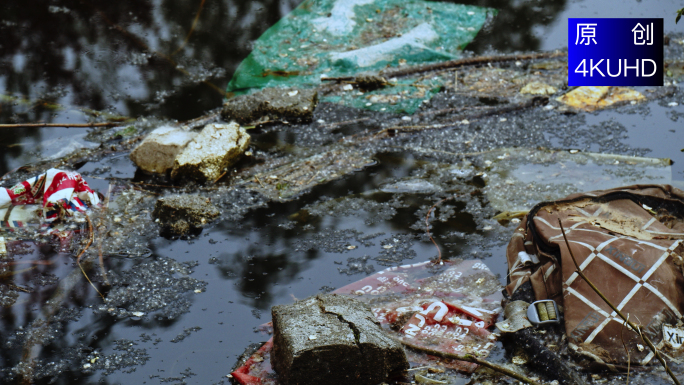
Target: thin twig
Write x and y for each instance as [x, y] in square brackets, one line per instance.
[313, 177]
[419, 368]
[468, 62]
[257, 179]
[139, 183]
[220, 176]
[27, 263]
[634, 327]
[339, 79]
[50, 105]
[468, 358]
[330, 126]
[78, 259]
[427, 229]
[74, 125]
[192, 29]
[453, 122]
[17, 287]
[102, 236]
[629, 360]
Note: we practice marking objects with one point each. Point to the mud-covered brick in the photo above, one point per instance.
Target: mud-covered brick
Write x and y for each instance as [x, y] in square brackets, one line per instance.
[332, 340]
[180, 214]
[291, 104]
[159, 149]
[209, 154]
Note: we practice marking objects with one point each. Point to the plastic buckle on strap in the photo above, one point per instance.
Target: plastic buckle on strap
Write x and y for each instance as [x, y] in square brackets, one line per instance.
[543, 312]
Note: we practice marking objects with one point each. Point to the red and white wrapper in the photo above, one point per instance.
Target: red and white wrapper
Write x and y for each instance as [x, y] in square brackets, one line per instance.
[56, 193]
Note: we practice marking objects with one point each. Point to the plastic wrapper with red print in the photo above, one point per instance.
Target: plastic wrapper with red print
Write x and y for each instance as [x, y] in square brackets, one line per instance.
[445, 308]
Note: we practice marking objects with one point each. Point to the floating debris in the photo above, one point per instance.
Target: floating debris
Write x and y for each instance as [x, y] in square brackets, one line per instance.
[287, 181]
[415, 186]
[524, 177]
[624, 248]
[272, 104]
[54, 194]
[331, 41]
[444, 308]
[597, 97]
[538, 88]
[181, 214]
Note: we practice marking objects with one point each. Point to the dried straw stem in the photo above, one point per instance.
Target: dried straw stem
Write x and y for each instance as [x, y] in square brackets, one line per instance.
[91, 235]
[469, 358]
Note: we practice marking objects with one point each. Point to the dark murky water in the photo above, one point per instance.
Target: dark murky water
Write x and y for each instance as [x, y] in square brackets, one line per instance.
[62, 57]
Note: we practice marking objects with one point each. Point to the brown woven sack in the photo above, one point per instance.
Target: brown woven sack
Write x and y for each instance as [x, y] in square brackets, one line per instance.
[629, 242]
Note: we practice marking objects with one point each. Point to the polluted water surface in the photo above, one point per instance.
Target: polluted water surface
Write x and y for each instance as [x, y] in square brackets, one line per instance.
[313, 205]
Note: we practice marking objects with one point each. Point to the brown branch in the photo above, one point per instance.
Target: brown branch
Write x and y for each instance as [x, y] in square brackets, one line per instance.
[468, 62]
[444, 111]
[453, 122]
[344, 123]
[79, 125]
[632, 325]
[468, 358]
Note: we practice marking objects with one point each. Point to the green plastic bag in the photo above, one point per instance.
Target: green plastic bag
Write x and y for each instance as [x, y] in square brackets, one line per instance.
[337, 38]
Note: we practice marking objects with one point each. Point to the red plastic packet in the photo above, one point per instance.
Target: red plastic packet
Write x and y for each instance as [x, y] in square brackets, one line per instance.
[444, 308]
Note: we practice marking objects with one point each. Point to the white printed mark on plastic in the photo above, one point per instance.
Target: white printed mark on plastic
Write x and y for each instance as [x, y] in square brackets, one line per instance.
[341, 21]
[368, 56]
[443, 309]
[407, 309]
[673, 336]
[477, 311]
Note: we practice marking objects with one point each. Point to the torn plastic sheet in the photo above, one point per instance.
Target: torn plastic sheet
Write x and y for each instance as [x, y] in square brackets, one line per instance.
[628, 242]
[335, 38]
[517, 179]
[30, 210]
[446, 308]
[52, 195]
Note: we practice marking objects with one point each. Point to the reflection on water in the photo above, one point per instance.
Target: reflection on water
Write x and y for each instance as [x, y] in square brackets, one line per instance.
[130, 57]
[121, 57]
[516, 27]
